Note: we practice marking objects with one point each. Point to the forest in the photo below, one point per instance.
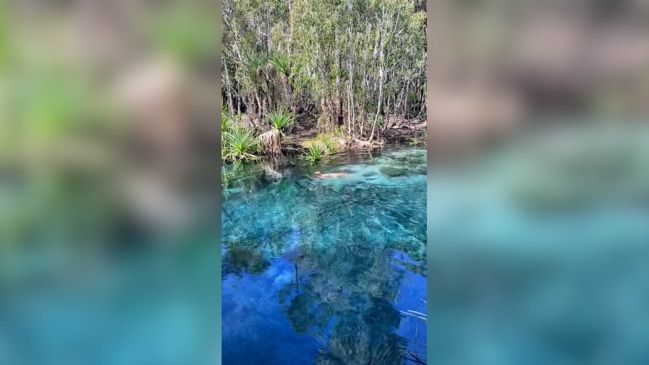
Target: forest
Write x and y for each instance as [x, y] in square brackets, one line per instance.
[321, 76]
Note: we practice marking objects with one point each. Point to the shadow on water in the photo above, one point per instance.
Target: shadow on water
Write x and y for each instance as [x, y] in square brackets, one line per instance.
[317, 271]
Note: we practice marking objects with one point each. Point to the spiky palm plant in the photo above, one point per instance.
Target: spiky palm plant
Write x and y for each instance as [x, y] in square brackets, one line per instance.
[329, 145]
[256, 63]
[281, 63]
[225, 122]
[240, 144]
[280, 118]
[314, 153]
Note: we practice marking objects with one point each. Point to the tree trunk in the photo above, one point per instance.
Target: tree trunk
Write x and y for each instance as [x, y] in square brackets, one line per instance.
[379, 106]
[381, 74]
[272, 142]
[269, 44]
[228, 86]
[258, 106]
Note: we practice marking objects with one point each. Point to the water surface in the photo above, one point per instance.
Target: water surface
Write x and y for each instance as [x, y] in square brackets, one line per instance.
[321, 271]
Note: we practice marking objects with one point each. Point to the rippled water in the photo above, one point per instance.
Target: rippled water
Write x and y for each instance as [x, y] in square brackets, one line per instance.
[320, 271]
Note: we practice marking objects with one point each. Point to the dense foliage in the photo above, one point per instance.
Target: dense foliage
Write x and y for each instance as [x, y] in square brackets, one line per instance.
[358, 65]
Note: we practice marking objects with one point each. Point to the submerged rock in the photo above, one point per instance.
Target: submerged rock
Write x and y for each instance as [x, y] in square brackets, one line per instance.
[393, 171]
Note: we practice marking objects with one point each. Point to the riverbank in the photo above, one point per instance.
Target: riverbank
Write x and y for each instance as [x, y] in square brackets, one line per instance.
[279, 134]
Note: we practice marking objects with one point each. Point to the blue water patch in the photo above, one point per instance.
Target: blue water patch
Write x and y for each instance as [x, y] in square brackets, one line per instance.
[325, 271]
[540, 254]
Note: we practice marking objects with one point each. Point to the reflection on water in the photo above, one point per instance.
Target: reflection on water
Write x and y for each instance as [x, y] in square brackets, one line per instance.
[541, 252]
[318, 271]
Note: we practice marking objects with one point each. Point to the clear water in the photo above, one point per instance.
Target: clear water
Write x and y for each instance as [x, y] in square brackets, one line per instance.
[538, 255]
[319, 271]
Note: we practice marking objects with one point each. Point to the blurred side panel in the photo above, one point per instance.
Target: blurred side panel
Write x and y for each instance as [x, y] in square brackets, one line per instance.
[538, 171]
[109, 182]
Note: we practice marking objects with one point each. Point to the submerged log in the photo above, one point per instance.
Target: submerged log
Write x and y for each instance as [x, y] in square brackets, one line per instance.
[357, 144]
[271, 173]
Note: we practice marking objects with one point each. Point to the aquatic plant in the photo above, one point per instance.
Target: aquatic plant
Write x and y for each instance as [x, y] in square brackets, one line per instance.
[244, 257]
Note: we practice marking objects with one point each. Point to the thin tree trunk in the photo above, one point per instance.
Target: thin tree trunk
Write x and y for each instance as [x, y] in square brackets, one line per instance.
[338, 103]
[290, 30]
[381, 74]
[259, 108]
[350, 70]
[406, 110]
[386, 125]
[268, 34]
[229, 86]
[380, 104]
[289, 89]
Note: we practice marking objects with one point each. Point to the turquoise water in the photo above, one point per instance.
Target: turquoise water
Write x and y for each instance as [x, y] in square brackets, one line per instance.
[537, 255]
[82, 284]
[540, 252]
[320, 271]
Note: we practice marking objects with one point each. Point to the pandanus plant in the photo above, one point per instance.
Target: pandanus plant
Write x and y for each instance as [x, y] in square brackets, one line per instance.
[280, 118]
[314, 153]
[240, 144]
